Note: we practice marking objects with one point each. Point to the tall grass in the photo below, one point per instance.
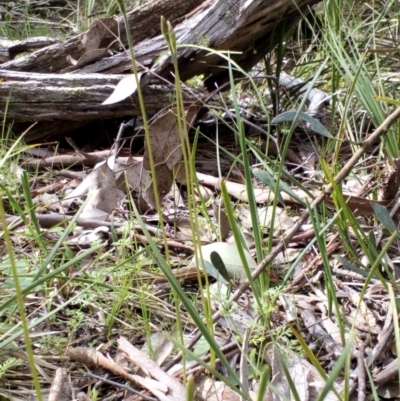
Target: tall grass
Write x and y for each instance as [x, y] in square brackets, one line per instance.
[353, 76]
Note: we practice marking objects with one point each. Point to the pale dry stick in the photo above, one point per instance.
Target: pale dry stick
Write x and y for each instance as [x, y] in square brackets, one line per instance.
[119, 385]
[57, 385]
[362, 381]
[384, 127]
[352, 275]
[244, 368]
[376, 354]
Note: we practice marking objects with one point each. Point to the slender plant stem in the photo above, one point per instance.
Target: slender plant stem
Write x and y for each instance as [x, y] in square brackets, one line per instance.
[21, 304]
[382, 129]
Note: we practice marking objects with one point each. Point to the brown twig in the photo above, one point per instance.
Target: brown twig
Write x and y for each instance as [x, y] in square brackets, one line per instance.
[383, 128]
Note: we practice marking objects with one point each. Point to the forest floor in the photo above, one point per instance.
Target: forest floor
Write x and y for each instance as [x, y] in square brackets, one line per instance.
[261, 264]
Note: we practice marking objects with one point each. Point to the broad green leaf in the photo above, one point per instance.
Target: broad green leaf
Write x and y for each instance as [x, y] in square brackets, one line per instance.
[201, 349]
[266, 178]
[219, 265]
[212, 271]
[384, 217]
[289, 116]
[350, 265]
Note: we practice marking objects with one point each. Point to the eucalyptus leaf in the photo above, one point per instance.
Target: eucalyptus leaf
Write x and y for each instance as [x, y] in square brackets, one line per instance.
[125, 88]
[350, 265]
[266, 178]
[290, 116]
[201, 350]
[384, 217]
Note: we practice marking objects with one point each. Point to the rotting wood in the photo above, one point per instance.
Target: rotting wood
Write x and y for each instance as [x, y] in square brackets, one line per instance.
[9, 49]
[29, 97]
[144, 23]
[249, 29]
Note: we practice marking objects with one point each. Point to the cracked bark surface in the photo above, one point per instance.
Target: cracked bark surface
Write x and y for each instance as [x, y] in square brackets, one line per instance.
[35, 89]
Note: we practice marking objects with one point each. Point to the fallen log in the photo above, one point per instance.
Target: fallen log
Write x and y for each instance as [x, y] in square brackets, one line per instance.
[9, 49]
[144, 23]
[248, 29]
[29, 97]
[62, 104]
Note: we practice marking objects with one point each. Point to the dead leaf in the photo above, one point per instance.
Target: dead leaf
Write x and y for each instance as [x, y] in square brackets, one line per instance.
[102, 190]
[161, 346]
[166, 152]
[305, 377]
[391, 182]
[129, 172]
[223, 221]
[202, 193]
[99, 29]
[165, 142]
[71, 60]
[91, 56]
[165, 139]
[125, 88]
[205, 232]
[360, 205]
[209, 389]
[164, 182]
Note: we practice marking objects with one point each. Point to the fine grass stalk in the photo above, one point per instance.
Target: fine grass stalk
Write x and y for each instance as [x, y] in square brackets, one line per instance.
[21, 305]
[121, 4]
[193, 312]
[190, 174]
[239, 243]
[248, 176]
[329, 279]
[394, 304]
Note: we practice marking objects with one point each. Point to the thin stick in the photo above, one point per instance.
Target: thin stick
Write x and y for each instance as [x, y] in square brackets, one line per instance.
[383, 128]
